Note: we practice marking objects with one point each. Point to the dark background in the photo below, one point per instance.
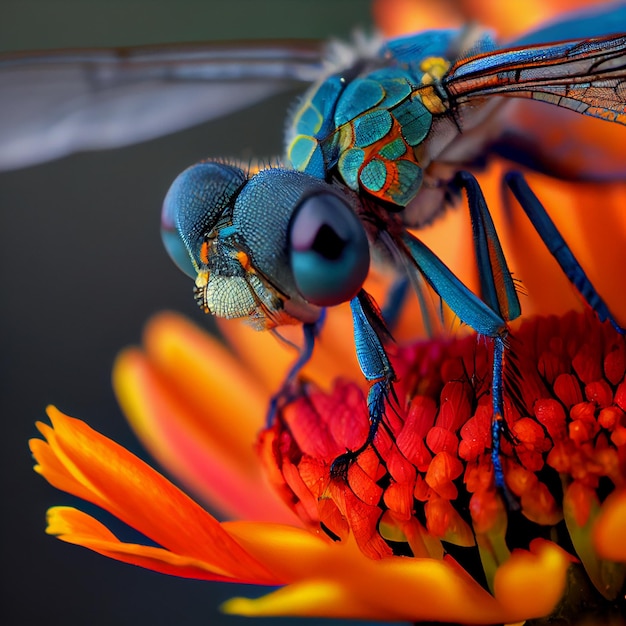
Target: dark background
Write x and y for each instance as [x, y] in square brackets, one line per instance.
[82, 269]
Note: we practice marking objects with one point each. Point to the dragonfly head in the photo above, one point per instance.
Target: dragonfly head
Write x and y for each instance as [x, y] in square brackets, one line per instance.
[273, 247]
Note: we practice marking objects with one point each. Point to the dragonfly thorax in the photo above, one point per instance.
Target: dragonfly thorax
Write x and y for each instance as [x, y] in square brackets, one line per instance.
[370, 129]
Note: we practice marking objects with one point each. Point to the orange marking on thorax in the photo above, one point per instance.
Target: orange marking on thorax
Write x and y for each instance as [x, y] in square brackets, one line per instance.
[204, 252]
[244, 259]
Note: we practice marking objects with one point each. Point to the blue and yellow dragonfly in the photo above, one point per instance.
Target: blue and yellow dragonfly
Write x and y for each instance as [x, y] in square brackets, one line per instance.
[378, 144]
[375, 147]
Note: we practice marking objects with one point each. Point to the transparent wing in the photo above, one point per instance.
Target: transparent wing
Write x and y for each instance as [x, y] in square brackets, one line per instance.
[587, 76]
[53, 104]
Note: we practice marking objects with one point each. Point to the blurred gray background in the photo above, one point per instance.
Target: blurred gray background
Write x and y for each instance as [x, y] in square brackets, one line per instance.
[81, 270]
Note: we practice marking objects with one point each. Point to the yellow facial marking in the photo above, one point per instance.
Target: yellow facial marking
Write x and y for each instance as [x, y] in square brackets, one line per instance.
[202, 279]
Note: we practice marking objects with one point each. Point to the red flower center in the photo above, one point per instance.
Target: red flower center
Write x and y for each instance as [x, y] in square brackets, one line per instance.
[427, 478]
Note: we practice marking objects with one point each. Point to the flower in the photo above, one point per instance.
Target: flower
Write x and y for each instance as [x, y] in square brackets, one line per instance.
[398, 17]
[415, 519]
[403, 496]
[196, 545]
[425, 487]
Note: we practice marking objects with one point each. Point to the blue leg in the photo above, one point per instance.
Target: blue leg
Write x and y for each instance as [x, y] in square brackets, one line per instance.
[489, 315]
[396, 297]
[499, 292]
[496, 284]
[498, 412]
[369, 333]
[467, 306]
[557, 246]
[283, 396]
[370, 330]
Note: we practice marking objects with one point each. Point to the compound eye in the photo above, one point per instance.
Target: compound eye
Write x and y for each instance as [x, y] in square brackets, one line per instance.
[328, 248]
[178, 252]
[195, 202]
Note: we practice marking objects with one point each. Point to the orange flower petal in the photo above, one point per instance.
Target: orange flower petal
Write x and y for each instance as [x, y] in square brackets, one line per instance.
[111, 477]
[196, 545]
[253, 349]
[400, 17]
[170, 432]
[509, 19]
[211, 380]
[270, 359]
[594, 230]
[52, 469]
[538, 576]
[581, 509]
[344, 583]
[517, 17]
[608, 532]
[597, 241]
[595, 237]
[176, 398]
[74, 526]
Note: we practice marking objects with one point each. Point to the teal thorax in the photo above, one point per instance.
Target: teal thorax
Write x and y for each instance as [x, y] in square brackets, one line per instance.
[367, 129]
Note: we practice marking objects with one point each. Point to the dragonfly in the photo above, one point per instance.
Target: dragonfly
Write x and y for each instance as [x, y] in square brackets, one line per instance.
[378, 145]
[373, 149]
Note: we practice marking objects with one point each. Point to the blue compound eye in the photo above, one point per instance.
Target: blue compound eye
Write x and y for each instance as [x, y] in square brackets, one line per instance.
[196, 201]
[328, 249]
[178, 252]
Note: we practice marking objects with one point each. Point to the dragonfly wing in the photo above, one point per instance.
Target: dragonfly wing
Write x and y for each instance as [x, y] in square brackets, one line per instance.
[586, 76]
[53, 104]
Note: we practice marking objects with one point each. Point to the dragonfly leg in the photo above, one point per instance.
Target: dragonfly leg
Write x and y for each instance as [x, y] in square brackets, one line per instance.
[557, 246]
[496, 283]
[499, 292]
[488, 315]
[285, 393]
[369, 332]
[396, 297]
[498, 424]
